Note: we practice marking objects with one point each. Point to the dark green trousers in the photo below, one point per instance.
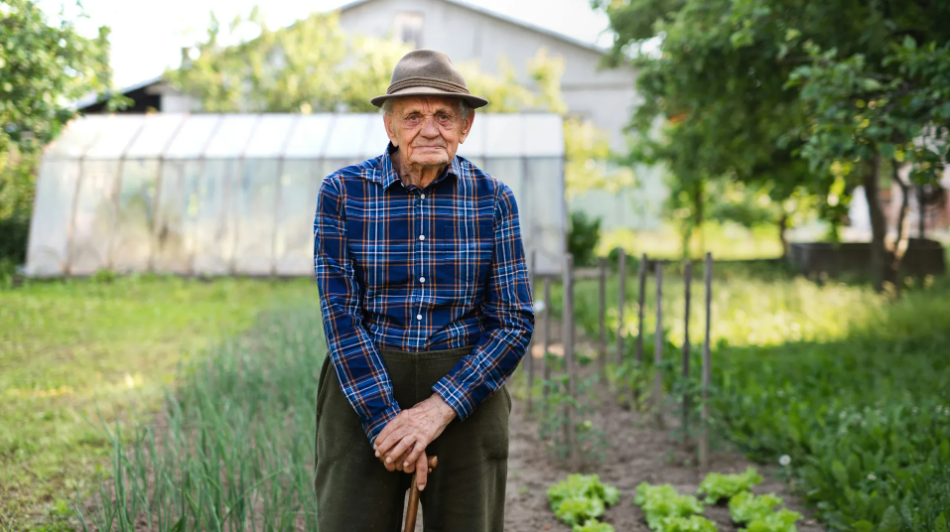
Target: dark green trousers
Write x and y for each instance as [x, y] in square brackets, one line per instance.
[465, 493]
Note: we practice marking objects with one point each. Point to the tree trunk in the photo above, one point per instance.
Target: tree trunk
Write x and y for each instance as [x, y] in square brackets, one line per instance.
[922, 212]
[903, 231]
[782, 230]
[878, 223]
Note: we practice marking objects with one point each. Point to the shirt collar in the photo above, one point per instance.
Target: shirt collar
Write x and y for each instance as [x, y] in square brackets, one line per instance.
[388, 174]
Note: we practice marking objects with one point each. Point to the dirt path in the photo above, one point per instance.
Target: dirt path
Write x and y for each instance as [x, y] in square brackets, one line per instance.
[636, 452]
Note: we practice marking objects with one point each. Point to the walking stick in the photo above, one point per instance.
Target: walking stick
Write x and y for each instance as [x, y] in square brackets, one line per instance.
[413, 509]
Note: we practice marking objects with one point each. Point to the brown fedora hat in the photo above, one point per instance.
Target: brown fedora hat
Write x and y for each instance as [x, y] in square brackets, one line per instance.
[427, 73]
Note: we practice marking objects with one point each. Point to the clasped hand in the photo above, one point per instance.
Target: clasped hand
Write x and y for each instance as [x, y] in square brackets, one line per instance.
[401, 446]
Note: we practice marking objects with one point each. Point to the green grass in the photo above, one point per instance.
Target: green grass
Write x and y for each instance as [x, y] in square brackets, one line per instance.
[71, 351]
[852, 386]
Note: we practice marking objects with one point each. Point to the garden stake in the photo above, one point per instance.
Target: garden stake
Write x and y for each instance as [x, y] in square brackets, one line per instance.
[546, 368]
[704, 435]
[602, 312]
[530, 357]
[687, 279]
[413, 509]
[658, 349]
[568, 341]
[642, 273]
[622, 272]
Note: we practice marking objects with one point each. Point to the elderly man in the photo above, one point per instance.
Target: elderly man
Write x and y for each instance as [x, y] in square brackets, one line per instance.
[427, 311]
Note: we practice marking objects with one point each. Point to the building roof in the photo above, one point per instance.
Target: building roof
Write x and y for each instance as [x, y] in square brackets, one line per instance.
[505, 18]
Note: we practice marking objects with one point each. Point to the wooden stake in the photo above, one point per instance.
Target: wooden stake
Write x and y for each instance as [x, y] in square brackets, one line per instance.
[568, 340]
[642, 274]
[687, 280]
[602, 313]
[622, 273]
[530, 357]
[545, 365]
[658, 349]
[704, 415]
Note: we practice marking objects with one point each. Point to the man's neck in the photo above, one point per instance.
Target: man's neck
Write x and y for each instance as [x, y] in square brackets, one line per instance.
[416, 175]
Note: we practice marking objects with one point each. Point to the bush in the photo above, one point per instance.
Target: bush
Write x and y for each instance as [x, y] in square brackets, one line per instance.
[582, 238]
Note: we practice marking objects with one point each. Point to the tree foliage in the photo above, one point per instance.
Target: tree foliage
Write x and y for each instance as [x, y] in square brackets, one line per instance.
[44, 64]
[806, 96]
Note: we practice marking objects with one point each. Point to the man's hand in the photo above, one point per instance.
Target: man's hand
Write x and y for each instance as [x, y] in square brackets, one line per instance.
[401, 444]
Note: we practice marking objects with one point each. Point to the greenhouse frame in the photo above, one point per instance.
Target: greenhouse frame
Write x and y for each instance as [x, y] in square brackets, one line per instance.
[235, 194]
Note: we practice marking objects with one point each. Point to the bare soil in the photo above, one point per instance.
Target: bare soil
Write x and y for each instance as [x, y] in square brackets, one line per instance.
[636, 451]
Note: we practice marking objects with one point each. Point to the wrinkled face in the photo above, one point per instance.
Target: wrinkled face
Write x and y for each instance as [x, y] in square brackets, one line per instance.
[427, 130]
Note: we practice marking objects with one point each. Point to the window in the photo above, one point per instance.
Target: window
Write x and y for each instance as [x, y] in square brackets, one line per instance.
[407, 27]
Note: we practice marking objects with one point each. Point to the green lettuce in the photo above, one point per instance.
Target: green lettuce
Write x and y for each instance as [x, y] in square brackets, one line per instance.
[661, 501]
[780, 521]
[717, 487]
[693, 523]
[593, 526]
[746, 507]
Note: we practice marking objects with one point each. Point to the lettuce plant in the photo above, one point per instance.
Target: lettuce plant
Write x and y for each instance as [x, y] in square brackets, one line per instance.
[717, 487]
[580, 499]
[593, 526]
[746, 507]
[693, 523]
[658, 502]
[780, 521]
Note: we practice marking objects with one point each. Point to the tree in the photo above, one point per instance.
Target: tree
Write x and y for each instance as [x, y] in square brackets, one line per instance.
[728, 85]
[43, 65]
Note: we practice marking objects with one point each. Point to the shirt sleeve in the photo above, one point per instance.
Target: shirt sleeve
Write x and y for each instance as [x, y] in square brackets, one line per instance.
[508, 313]
[356, 360]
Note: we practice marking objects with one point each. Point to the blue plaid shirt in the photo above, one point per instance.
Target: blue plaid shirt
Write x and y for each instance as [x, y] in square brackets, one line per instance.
[416, 270]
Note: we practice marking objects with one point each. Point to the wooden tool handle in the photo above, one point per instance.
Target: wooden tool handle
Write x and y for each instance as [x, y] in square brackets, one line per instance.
[413, 508]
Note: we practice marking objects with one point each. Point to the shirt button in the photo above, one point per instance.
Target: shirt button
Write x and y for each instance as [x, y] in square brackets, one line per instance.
[423, 196]
[422, 279]
[422, 237]
[419, 317]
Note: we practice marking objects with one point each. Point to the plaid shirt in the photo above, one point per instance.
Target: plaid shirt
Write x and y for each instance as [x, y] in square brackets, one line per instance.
[418, 270]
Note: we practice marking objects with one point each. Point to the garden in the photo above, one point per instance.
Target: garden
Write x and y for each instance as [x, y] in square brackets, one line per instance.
[151, 403]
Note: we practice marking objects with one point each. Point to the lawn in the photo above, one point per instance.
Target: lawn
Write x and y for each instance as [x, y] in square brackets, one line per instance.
[74, 353]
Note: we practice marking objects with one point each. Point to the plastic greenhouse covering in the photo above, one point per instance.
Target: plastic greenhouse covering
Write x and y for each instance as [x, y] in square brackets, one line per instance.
[206, 194]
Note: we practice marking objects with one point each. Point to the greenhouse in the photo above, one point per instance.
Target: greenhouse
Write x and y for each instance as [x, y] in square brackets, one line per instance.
[206, 194]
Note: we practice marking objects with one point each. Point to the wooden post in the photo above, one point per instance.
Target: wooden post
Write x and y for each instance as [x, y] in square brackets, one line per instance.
[530, 358]
[687, 280]
[658, 349]
[602, 313]
[622, 273]
[547, 332]
[568, 341]
[642, 273]
[704, 434]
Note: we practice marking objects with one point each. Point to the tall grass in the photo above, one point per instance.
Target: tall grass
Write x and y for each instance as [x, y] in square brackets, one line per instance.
[233, 448]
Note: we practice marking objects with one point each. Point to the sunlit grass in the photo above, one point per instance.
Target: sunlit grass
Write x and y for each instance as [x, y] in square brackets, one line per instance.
[71, 351]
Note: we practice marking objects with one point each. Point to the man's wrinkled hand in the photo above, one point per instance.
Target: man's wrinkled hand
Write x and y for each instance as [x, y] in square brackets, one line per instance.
[403, 441]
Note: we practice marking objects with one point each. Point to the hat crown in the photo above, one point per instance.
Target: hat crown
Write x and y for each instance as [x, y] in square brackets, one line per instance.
[420, 68]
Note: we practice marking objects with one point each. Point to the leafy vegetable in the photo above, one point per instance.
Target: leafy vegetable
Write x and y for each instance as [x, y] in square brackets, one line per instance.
[579, 510]
[746, 507]
[581, 498]
[578, 485]
[693, 523]
[780, 521]
[662, 501]
[593, 526]
[717, 486]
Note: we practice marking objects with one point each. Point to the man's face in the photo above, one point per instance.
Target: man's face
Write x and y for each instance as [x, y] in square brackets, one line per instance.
[427, 130]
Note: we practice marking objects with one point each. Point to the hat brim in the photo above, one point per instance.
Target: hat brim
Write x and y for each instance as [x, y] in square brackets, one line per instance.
[473, 101]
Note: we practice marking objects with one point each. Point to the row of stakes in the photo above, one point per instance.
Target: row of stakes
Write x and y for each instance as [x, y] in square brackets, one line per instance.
[568, 339]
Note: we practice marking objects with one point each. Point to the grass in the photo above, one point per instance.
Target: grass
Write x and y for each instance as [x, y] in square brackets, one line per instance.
[852, 386]
[72, 351]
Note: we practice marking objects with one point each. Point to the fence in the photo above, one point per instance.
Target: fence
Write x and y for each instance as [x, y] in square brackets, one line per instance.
[568, 338]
